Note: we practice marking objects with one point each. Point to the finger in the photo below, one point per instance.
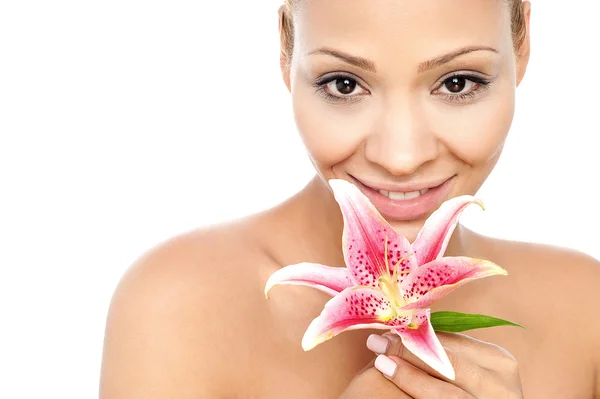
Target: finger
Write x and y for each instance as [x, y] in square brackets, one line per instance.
[372, 384]
[499, 365]
[469, 375]
[486, 354]
[415, 381]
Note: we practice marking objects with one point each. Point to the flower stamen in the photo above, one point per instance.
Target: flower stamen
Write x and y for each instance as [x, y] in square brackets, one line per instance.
[385, 255]
[396, 273]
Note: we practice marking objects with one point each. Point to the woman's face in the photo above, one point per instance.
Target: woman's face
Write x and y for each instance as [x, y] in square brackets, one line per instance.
[409, 100]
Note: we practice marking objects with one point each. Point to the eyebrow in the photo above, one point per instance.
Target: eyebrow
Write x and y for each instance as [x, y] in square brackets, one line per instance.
[425, 66]
[436, 62]
[360, 62]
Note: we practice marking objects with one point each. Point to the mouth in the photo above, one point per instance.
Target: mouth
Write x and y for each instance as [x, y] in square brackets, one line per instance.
[406, 202]
[403, 196]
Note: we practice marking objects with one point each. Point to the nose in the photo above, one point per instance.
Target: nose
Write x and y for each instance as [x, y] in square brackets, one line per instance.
[400, 140]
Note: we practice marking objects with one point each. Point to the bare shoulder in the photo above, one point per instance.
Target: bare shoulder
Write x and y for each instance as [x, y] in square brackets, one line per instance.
[560, 286]
[173, 312]
[566, 270]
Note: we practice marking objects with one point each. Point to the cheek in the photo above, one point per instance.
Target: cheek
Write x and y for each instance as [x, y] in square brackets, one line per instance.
[331, 133]
[476, 133]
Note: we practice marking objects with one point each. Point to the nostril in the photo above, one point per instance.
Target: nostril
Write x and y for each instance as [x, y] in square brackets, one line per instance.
[401, 150]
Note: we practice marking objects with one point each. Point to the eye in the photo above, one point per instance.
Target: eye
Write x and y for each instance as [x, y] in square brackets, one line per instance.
[340, 88]
[344, 86]
[457, 84]
[462, 88]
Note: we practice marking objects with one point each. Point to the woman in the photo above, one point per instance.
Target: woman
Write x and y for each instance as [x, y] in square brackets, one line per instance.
[411, 101]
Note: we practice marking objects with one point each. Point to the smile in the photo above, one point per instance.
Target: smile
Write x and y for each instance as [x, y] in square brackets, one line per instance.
[400, 196]
[408, 202]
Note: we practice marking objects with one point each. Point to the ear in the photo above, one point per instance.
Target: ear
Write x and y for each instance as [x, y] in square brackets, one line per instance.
[284, 38]
[524, 51]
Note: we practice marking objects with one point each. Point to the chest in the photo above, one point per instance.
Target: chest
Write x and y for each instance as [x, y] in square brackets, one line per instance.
[552, 363]
[548, 369]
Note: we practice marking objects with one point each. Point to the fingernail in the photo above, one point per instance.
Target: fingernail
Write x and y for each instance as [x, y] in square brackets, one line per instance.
[377, 343]
[386, 365]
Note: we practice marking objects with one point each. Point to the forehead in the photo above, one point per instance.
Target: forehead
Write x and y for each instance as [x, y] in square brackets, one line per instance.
[381, 29]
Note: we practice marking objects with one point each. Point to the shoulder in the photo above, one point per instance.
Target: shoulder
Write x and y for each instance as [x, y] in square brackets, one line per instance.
[173, 315]
[564, 269]
[559, 286]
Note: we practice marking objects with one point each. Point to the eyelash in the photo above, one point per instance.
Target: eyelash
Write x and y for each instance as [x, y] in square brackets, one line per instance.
[482, 85]
[320, 84]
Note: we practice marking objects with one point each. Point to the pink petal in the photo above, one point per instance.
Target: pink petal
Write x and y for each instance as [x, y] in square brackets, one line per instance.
[420, 339]
[353, 308]
[436, 279]
[331, 280]
[364, 238]
[432, 240]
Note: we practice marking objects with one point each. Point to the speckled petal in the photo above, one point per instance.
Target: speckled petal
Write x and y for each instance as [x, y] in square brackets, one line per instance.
[432, 240]
[331, 280]
[420, 339]
[364, 238]
[436, 279]
[353, 308]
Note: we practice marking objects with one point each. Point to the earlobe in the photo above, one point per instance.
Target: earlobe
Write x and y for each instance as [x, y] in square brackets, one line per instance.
[285, 72]
[525, 49]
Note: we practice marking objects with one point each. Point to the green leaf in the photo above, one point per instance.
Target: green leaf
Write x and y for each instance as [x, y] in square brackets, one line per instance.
[459, 322]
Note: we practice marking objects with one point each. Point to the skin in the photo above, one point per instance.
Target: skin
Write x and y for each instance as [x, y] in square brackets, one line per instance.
[190, 320]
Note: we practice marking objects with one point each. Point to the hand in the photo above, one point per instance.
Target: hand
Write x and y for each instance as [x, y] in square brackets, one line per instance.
[371, 384]
[483, 370]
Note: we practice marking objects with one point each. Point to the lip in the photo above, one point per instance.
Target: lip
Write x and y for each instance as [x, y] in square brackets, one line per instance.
[406, 210]
[404, 188]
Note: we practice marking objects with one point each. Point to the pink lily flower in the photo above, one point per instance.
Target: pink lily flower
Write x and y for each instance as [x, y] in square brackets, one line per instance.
[388, 283]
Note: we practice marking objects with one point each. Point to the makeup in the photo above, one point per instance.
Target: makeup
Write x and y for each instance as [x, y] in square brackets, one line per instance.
[412, 207]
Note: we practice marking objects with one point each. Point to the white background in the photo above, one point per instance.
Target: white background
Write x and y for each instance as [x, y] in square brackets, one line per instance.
[125, 122]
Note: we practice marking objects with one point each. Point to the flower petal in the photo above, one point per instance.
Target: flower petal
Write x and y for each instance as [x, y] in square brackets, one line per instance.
[331, 280]
[436, 279]
[353, 308]
[432, 240]
[364, 238]
[420, 339]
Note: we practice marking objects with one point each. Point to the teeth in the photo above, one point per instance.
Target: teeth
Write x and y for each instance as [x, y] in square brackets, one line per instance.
[398, 196]
[412, 195]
